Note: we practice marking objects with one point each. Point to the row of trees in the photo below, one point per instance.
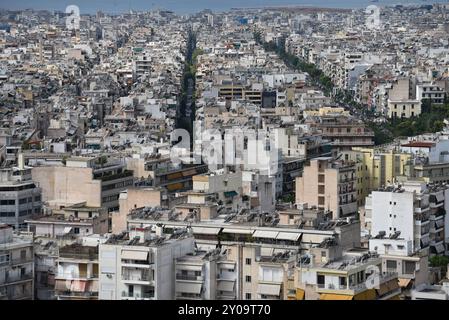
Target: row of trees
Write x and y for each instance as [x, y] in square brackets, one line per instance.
[188, 85]
[430, 120]
[317, 76]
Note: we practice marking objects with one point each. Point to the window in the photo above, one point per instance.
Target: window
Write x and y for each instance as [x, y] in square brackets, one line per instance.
[320, 280]
[391, 264]
[23, 254]
[323, 254]
[248, 296]
[8, 202]
[90, 214]
[408, 267]
[248, 279]
[248, 261]
[76, 230]
[343, 281]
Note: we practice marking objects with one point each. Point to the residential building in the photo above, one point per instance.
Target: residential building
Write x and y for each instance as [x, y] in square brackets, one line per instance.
[140, 265]
[16, 265]
[329, 184]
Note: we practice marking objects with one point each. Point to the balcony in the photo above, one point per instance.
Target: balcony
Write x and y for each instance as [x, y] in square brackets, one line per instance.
[77, 295]
[117, 176]
[436, 205]
[353, 289]
[189, 277]
[137, 296]
[13, 280]
[21, 261]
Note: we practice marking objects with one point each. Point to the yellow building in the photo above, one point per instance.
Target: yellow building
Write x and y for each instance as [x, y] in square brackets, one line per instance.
[375, 167]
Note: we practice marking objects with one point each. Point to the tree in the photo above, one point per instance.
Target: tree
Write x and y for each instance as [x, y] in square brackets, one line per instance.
[439, 261]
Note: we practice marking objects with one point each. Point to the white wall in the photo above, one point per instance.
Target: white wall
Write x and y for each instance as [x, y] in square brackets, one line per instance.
[401, 213]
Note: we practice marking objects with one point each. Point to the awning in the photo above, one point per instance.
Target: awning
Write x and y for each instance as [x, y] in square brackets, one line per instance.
[63, 285]
[226, 265]
[288, 236]
[175, 175]
[94, 286]
[225, 285]
[393, 284]
[230, 194]
[265, 234]
[134, 255]
[439, 248]
[189, 267]
[78, 286]
[269, 289]
[439, 223]
[236, 231]
[383, 289]
[300, 294]
[67, 230]
[329, 296]
[175, 186]
[425, 241]
[403, 283]
[188, 287]
[202, 230]
[190, 172]
[440, 196]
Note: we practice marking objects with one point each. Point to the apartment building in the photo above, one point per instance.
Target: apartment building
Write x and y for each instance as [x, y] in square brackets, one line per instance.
[206, 275]
[415, 211]
[433, 92]
[77, 274]
[343, 131]
[402, 101]
[431, 292]
[135, 198]
[70, 222]
[99, 181]
[329, 273]
[159, 171]
[329, 184]
[140, 265]
[16, 265]
[46, 252]
[399, 256]
[226, 185]
[20, 196]
[376, 167]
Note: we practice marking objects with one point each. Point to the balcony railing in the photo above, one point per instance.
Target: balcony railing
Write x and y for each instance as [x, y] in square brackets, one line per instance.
[21, 261]
[24, 277]
[136, 278]
[189, 277]
[77, 294]
[148, 295]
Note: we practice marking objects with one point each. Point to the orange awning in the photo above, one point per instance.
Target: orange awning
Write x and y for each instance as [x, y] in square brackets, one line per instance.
[329, 296]
[403, 283]
[300, 294]
[175, 186]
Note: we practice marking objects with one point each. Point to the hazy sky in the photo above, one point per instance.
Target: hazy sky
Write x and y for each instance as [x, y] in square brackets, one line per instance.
[187, 6]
